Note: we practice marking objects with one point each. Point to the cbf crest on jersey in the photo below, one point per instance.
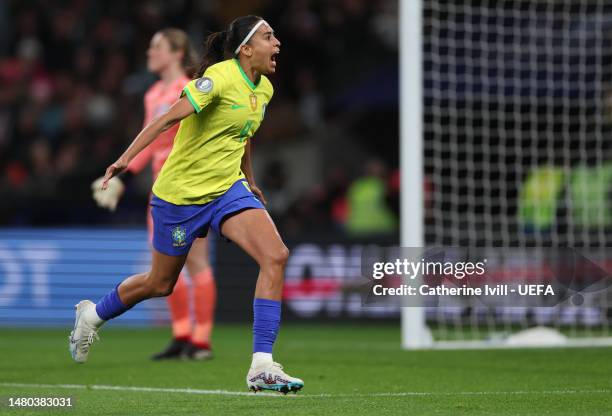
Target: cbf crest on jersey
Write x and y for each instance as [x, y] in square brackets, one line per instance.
[253, 99]
[179, 236]
[204, 84]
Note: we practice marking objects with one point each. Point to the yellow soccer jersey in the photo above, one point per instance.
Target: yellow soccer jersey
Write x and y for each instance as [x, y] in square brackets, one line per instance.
[208, 147]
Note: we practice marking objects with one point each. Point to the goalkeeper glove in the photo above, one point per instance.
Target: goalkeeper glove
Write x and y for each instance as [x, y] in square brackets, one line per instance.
[110, 197]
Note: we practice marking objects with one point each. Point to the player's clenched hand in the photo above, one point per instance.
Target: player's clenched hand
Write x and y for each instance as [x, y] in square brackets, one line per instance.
[113, 170]
[258, 193]
[107, 198]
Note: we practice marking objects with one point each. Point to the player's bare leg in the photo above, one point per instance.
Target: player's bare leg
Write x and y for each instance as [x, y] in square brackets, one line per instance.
[254, 231]
[159, 281]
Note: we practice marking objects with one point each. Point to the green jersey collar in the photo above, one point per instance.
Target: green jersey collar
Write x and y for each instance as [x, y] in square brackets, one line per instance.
[246, 78]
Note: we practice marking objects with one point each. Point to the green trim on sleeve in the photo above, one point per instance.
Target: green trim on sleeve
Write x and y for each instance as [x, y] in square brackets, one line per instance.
[191, 100]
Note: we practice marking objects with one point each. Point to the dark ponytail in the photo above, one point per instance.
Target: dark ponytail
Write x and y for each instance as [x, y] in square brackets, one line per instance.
[221, 45]
[214, 51]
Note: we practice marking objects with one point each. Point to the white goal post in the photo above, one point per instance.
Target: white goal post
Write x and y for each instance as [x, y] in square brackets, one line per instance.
[414, 330]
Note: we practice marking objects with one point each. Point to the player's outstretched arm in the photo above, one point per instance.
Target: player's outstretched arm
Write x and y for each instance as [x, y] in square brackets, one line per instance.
[181, 109]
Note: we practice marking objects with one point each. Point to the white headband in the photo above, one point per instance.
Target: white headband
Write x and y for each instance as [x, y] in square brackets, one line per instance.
[250, 35]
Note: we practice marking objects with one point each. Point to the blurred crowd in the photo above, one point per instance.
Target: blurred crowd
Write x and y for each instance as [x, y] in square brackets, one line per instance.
[73, 74]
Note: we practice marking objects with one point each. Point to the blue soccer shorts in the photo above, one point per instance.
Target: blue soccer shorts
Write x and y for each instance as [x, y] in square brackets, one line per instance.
[175, 227]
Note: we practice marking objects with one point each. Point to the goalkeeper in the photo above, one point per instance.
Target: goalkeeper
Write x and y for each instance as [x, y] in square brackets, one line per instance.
[168, 56]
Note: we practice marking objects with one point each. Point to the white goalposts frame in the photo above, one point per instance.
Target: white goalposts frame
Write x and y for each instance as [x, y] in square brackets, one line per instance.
[414, 330]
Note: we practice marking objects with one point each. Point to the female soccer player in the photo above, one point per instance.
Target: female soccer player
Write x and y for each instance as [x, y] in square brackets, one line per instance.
[207, 182]
[169, 55]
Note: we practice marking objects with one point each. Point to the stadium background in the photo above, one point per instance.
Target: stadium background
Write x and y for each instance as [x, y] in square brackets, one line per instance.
[73, 77]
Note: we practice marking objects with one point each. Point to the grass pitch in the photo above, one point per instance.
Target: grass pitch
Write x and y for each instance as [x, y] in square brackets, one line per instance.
[347, 370]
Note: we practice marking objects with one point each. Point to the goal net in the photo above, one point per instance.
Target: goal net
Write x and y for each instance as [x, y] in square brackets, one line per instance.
[517, 109]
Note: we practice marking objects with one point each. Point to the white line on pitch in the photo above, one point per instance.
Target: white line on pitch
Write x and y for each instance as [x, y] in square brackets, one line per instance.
[143, 389]
[303, 395]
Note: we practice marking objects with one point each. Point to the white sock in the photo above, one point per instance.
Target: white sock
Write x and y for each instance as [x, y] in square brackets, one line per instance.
[261, 359]
[91, 316]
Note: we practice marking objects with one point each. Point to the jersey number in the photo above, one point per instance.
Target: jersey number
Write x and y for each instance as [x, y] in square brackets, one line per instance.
[244, 133]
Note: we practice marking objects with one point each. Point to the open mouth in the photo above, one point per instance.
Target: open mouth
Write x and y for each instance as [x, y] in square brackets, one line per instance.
[273, 58]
